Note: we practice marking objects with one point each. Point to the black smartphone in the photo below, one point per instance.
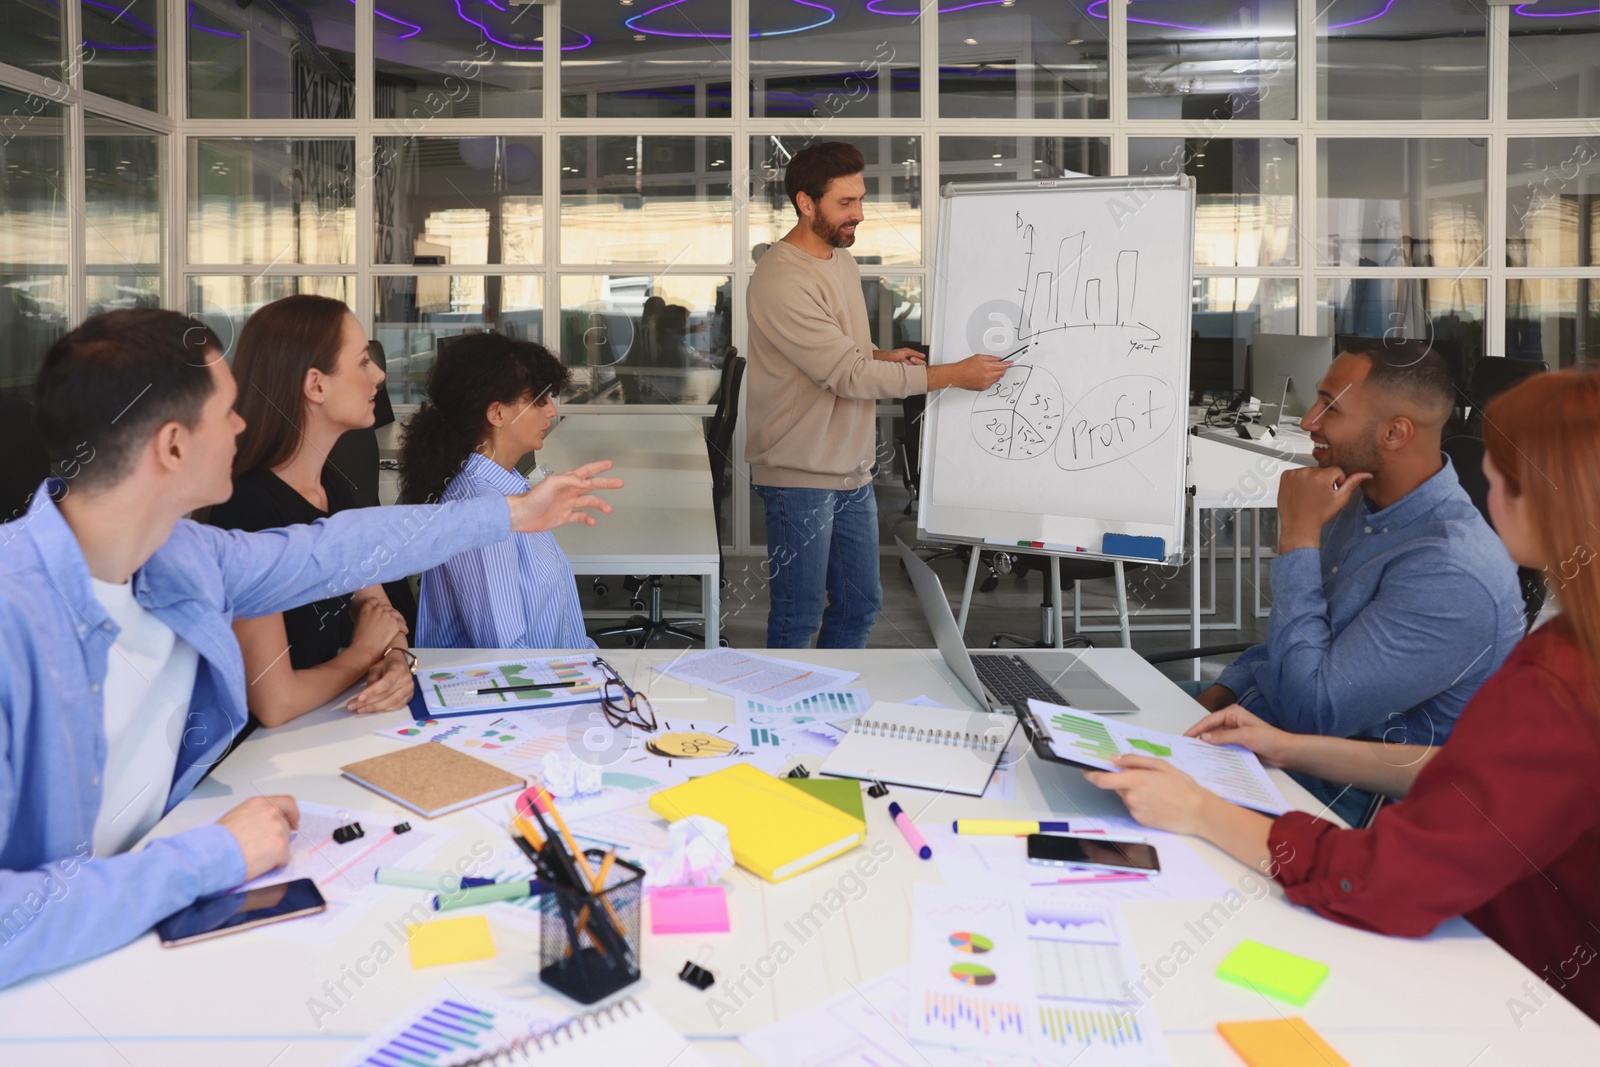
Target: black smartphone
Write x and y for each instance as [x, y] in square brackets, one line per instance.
[232, 912]
[1066, 851]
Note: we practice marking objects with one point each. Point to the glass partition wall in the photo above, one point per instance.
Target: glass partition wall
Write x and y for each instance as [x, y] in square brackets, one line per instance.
[601, 177]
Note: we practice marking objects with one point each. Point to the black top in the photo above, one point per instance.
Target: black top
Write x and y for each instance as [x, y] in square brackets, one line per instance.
[263, 501]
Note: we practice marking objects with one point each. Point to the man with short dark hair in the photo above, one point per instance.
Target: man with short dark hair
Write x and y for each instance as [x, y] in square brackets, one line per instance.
[123, 682]
[1392, 599]
[815, 378]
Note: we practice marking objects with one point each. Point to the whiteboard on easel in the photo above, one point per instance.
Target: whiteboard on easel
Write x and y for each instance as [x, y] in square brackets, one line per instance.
[1082, 446]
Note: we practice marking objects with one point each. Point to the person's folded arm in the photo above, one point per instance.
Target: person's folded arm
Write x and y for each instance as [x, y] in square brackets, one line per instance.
[811, 339]
[1493, 807]
[1429, 622]
[75, 907]
[1239, 676]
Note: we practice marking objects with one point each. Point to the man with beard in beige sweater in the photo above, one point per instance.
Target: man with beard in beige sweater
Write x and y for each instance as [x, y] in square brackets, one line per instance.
[815, 378]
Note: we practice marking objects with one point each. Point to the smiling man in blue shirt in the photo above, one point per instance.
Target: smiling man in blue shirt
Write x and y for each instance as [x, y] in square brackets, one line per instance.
[120, 680]
[1392, 599]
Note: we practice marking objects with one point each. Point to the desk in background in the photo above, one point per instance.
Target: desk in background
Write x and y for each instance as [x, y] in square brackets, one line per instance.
[246, 999]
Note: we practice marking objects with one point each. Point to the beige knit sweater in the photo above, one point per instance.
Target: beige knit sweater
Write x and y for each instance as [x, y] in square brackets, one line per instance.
[813, 384]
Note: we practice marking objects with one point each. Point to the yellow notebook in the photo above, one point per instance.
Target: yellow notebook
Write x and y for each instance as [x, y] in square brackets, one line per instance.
[1286, 1042]
[775, 831]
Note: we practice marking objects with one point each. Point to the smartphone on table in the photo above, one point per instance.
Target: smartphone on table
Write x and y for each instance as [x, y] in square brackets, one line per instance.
[244, 910]
[1065, 850]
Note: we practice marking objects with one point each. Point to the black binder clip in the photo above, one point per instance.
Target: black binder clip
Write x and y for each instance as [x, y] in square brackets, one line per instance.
[799, 772]
[696, 975]
[346, 834]
[401, 828]
[877, 789]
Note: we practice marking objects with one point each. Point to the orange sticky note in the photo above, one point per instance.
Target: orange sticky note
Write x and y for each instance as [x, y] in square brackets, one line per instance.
[450, 941]
[1280, 1043]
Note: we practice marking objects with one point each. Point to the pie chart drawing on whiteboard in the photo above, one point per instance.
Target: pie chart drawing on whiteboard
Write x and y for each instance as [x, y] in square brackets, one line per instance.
[1019, 417]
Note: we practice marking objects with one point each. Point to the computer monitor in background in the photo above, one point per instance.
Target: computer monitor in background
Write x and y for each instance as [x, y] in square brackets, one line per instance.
[1284, 371]
[1210, 368]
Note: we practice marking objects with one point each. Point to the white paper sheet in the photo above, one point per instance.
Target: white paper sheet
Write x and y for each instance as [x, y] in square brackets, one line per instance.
[1231, 772]
[760, 678]
[1028, 974]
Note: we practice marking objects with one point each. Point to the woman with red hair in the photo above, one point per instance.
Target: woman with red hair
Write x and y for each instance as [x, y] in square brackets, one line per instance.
[1501, 823]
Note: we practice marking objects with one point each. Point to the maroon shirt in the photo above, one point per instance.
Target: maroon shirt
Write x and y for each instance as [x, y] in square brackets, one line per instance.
[1503, 826]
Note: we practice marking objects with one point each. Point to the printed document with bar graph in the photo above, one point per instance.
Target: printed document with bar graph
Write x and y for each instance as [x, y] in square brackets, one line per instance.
[1028, 974]
[1231, 772]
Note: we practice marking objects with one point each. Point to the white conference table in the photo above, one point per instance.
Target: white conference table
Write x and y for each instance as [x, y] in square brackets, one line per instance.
[662, 520]
[245, 999]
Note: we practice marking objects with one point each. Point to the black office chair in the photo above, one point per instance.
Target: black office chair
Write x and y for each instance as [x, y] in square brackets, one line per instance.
[640, 630]
[27, 461]
[1493, 376]
[355, 460]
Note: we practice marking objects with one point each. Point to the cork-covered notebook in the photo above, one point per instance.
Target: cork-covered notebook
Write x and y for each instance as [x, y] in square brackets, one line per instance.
[432, 780]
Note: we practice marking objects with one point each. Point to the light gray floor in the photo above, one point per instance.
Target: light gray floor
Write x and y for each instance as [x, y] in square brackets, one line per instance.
[1012, 606]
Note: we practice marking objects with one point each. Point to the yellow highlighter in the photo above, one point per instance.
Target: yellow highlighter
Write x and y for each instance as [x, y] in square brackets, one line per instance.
[1008, 827]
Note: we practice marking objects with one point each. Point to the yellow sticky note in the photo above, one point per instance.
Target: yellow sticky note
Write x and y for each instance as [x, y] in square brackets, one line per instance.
[1280, 1043]
[450, 941]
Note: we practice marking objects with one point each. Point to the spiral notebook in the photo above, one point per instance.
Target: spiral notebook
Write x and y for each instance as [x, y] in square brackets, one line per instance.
[458, 1026]
[926, 748]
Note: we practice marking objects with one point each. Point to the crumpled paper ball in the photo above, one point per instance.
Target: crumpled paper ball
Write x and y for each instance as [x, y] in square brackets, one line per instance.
[697, 853]
[567, 776]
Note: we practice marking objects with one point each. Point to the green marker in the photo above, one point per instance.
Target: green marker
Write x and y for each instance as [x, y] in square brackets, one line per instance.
[486, 894]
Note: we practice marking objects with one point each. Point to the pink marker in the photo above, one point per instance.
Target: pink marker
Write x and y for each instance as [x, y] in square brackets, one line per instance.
[909, 830]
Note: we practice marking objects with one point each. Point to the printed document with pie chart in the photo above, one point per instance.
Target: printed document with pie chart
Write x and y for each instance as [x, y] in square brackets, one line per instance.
[1028, 974]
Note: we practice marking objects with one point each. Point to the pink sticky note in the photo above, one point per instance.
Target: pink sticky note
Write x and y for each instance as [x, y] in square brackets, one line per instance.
[693, 909]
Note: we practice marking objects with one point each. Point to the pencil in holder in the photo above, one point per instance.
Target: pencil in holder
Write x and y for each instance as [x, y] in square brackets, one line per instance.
[589, 942]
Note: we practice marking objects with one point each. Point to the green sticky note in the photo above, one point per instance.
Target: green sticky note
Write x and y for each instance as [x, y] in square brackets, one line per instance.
[841, 793]
[1272, 971]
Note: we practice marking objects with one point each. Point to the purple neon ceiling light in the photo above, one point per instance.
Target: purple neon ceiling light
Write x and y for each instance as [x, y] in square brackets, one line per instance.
[633, 23]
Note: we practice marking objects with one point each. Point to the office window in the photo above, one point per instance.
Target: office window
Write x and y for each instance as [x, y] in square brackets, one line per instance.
[411, 314]
[1004, 159]
[1551, 206]
[1552, 69]
[1553, 319]
[33, 241]
[122, 215]
[436, 60]
[1387, 202]
[1446, 313]
[224, 302]
[1245, 195]
[1225, 316]
[1028, 59]
[637, 199]
[645, 338]
[1234, 62]
[441, 201]
[125, 41]
[30, 36]
[271, 200]
[892, 230]
[1386, 61]
[273, 61]
[648, 61]
[815, 63]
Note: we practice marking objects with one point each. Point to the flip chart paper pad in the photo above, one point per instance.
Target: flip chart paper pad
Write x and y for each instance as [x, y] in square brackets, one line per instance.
[1084, 283]
[450, 941]
[1280, 1043]
[1273, 971]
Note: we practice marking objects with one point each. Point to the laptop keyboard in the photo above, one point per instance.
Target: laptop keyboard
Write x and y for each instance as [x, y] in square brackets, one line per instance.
[1012, 680]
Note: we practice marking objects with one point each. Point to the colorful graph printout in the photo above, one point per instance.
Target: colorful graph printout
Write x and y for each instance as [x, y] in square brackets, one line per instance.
[455, 689]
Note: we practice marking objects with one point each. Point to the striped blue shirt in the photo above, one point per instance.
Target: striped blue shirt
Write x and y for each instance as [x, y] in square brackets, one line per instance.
[518, 593]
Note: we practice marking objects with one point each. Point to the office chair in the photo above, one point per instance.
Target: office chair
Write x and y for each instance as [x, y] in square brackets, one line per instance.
[27, 461]
[355, 460]
[1073, 571]
[640, 630]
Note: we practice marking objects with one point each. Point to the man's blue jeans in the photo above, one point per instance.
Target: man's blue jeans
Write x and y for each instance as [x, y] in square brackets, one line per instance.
[822, 542]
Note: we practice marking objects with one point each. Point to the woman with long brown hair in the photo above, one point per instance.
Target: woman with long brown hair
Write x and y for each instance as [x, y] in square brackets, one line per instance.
[305, 378]
[1501, 823]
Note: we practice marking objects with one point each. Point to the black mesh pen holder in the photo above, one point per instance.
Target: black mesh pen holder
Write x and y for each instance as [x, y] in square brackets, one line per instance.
[589, 942]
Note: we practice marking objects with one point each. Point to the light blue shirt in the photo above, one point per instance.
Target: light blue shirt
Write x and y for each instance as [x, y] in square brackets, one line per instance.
[57, 904]
[518, 593]
[1389, 628]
